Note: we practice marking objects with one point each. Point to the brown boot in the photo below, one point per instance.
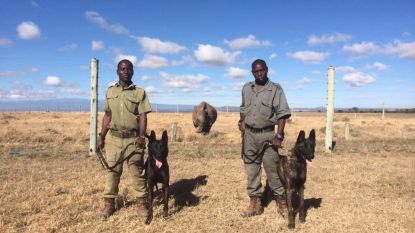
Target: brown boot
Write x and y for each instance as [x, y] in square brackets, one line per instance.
[109, 208]
[142, 208]
[255, 208]
[282, 208]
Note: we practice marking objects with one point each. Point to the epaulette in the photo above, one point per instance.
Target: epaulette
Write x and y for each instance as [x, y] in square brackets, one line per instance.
[277, 85]
[112, 84]
[248, 84]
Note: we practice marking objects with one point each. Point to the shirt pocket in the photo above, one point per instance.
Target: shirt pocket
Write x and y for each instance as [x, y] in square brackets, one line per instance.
[113, 101]
[266, 109]
[131, 104]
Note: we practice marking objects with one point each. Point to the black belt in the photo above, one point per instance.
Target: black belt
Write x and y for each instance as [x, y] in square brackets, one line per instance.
[260, 130]
[123, 134]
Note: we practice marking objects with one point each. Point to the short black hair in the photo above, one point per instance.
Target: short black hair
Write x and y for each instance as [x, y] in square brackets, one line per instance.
[124, 61]
[259, 61]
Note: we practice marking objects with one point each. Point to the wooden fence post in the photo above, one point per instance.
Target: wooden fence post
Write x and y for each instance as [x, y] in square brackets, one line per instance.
[330, 110]
[94, 107]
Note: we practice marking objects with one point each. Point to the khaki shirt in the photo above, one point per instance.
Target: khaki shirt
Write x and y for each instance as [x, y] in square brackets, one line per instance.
[125, 105]
[265, 107]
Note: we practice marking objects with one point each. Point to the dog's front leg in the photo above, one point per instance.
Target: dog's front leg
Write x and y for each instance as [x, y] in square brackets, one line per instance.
[166, 199]
[291, 214]
[301, 208]
[150, 185]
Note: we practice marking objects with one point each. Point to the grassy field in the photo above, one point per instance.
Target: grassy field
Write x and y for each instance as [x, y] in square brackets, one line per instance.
[50, 184]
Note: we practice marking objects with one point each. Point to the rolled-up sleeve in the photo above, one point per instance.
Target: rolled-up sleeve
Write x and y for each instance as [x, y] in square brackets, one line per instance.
[243, 106]
[144, 106]
[106, 104]
[282, 110]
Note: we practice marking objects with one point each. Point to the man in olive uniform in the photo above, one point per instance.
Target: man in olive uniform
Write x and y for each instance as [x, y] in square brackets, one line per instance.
[123, 133]
[263, 106]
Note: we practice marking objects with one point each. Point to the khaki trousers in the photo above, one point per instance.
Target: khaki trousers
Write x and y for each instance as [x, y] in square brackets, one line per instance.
[252, 142]
[114, 147]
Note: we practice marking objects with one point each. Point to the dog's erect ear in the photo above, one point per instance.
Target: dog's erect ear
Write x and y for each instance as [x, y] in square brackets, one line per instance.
[312, 135]
[301, 136]
[164, 137]
[152, 136]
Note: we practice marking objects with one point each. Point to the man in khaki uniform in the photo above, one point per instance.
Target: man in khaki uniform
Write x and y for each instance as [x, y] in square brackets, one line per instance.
[263, 106]
[125, 121]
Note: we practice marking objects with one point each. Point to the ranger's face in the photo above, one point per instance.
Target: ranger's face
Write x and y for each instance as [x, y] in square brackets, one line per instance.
[125, 72]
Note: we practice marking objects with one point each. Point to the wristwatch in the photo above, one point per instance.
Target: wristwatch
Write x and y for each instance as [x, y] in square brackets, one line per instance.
[280, 136]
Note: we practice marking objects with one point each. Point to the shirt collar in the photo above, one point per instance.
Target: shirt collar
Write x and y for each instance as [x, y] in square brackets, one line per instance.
[131, 87]
[267, 85]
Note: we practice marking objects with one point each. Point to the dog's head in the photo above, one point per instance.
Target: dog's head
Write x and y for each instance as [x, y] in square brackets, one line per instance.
[304, 147]
[158, 149]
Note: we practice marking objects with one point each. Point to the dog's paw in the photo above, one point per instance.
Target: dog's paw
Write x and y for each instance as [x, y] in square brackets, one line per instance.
[291, 225]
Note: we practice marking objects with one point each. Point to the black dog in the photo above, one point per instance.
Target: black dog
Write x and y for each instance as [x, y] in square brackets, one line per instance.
[157, 171]
[292, 170]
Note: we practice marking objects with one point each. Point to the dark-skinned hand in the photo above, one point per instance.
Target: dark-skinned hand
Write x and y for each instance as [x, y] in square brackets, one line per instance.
[276, 143]
[100, 142]
[141, 142]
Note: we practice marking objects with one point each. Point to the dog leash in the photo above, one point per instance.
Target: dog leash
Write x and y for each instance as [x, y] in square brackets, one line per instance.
[258, 154]
[120, 160]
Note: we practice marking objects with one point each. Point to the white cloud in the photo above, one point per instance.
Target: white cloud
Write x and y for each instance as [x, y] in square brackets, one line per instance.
[28, 30]
[20, 93]
[145, 78]
[17, 73]
[34, 4]
[187, 83]
[54, 81]
[245, 42]
[152, 62]
[272, 56]
[236, 72]
[12, 73]
[152, 89]
[401, 49]
[215, 56]
[131, 58]
[154, 45]
[361, 49]
[346, 69]
[377, 65]
[358, 79]
[406, 34]
[299, 85]
[97, 45]
[271, 72]
[238, 86]
[308, 56]
[95, 17]
[18, 85]
[328, 39]
[73, 91]
[185, 60]
[5, 42]
[68, 47]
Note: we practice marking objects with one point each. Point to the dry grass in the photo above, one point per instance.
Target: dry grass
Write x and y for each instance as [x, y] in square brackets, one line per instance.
[50, 184]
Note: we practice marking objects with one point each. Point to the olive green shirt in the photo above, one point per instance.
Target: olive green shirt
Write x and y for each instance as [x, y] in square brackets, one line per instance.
[265, 107]
[125, 105]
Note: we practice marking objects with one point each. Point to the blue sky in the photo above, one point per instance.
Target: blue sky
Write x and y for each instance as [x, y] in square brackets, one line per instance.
[188, 51]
